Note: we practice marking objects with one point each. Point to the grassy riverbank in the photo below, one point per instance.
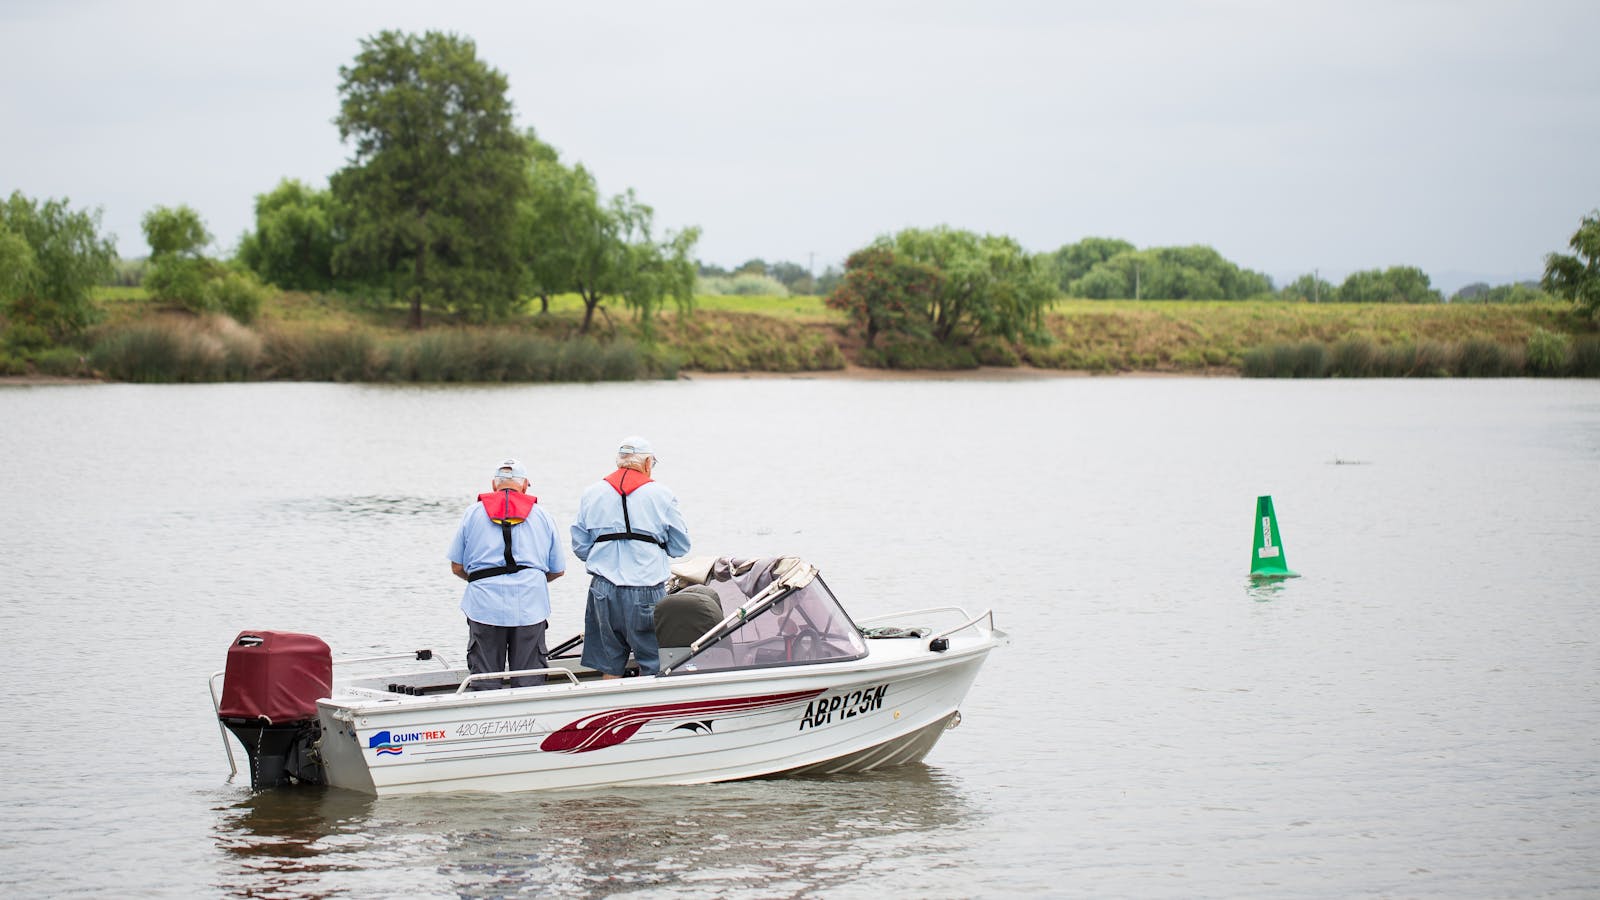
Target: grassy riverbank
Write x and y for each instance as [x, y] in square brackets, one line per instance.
[309, 337]
[1250, 337]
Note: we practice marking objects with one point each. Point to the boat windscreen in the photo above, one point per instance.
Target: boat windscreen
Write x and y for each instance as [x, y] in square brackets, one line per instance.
[805, 626]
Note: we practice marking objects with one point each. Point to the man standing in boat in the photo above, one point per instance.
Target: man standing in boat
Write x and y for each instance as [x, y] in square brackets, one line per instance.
[507, 551]
[627, 529]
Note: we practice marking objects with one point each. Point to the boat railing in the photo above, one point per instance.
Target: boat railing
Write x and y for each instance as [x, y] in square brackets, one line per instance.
[970, 620]
[986, 614]
[216, 706]
[485, 676]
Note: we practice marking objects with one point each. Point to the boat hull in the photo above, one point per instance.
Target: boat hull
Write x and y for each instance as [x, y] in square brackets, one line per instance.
[681, 729]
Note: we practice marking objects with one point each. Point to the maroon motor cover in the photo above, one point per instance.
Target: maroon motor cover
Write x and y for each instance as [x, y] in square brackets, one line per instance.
[278, 675]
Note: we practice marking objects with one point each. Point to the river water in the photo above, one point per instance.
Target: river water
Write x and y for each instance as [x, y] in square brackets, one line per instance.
[1417, 716]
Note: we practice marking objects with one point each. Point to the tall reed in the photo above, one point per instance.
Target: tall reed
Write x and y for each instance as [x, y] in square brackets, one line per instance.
[341, 355]
[1475, 358]
[178, 350]
[478, 356]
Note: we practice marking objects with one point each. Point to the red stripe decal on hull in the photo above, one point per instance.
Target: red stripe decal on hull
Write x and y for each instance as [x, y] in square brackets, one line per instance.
[611, 728]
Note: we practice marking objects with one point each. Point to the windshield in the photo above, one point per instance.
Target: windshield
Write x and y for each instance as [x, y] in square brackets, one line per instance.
[806, 626]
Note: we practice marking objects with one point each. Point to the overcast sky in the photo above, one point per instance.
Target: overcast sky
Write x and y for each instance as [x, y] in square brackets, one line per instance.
[1461, 136]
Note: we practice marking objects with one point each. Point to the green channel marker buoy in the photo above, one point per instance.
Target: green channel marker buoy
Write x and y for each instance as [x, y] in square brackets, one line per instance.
[1267, 559]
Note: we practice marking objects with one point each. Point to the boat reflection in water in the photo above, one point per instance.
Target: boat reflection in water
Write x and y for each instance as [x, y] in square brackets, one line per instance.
[592, 843]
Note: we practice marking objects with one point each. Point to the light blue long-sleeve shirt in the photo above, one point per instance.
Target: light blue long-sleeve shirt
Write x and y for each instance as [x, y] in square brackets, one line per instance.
[652, 510]
[519, 598]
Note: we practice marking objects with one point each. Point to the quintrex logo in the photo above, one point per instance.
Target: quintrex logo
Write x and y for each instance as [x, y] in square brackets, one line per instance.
[389, 744]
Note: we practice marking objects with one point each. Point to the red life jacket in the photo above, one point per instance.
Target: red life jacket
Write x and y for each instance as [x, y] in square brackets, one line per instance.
[505, 508]
[620, 482]
[507, 504]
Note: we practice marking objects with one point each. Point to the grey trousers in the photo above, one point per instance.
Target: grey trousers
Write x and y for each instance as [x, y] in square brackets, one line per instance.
[505, 648]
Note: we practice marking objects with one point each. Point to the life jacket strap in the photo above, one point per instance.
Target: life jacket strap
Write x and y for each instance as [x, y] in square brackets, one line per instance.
[497, 570]
[632, 536]
[628, 534]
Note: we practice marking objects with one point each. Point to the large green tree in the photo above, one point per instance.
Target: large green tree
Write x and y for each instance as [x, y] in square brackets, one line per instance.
[1073, 261]
[1195, 272]
[572, 241]
[1577, 277]
[654, 271]
[569, 240]
[1396, 284]
[51, 257]
[429, 200]
[988, 287]
[1309, 288]
[293, 241]
[175, 231]
[883, 294]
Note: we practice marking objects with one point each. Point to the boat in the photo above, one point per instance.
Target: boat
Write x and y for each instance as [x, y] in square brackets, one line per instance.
[783, 683]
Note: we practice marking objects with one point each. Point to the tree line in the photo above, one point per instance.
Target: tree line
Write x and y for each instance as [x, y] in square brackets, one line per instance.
[447, 207]
[759, 278]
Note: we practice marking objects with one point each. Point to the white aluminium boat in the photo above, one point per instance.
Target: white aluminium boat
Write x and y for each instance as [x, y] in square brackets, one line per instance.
[784, 683]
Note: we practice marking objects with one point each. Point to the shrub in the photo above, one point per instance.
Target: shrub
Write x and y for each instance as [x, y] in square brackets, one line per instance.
[992, 352]
[664, 362]
[919, 355]
[1547, 352]
[239, 294]
[65, 361]
[50, 260]
[10, 365]
[181, 280]
[24, 338]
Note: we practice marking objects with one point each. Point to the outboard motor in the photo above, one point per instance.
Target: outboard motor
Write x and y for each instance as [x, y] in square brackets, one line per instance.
[269, 701]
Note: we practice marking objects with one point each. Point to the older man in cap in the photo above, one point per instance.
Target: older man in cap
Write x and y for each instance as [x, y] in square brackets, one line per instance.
[628, 527]
[507, 551]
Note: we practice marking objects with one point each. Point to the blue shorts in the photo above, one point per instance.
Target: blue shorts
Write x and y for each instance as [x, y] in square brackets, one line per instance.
[620, 618]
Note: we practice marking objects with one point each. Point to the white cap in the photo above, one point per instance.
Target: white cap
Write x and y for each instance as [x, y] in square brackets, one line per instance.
[510, 468]
[634, 444]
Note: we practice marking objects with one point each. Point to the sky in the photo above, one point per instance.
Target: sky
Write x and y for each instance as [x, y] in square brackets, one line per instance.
[1459, 136]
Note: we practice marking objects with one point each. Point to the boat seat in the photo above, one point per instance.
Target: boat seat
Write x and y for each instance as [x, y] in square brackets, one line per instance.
[681, 617]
